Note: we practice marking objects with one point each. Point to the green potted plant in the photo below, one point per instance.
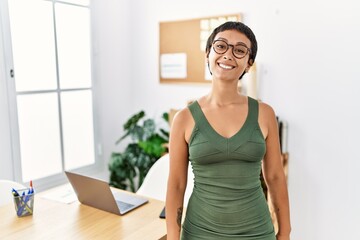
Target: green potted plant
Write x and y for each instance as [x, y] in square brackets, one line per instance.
[146, 146]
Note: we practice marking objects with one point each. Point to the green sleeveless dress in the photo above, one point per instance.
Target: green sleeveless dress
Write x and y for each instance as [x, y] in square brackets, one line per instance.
[227, 201]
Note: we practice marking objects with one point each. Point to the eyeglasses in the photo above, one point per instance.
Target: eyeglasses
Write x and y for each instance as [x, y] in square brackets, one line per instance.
[238, 50]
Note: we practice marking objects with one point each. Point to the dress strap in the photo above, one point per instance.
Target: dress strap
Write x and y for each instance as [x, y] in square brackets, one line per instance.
[253, 110]
[196, 112]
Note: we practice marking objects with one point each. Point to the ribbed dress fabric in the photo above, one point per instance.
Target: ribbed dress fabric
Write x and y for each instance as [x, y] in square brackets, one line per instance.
[227, 201]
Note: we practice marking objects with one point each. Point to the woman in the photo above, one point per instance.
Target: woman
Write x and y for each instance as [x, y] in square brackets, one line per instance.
[225, 136]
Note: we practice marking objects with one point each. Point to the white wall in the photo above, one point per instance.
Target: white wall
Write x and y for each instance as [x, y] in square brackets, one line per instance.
[308, 57]
[112, 72]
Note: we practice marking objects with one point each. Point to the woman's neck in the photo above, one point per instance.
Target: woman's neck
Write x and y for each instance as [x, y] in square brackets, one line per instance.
[222, 94]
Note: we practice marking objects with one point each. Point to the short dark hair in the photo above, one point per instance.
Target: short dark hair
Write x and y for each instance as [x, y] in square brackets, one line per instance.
[242, 28]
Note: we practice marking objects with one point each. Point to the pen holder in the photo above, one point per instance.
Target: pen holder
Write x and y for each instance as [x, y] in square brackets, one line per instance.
[24, 204]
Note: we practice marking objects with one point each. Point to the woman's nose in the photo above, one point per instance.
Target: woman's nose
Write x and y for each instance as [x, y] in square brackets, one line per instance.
[228, 55]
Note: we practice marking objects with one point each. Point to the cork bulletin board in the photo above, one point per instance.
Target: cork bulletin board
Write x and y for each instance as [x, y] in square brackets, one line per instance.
[182, 49]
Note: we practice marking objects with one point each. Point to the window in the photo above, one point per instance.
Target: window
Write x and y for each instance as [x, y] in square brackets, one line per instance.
[52, 95]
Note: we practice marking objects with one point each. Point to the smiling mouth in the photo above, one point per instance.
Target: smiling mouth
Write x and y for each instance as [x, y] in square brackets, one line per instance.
[227, 67]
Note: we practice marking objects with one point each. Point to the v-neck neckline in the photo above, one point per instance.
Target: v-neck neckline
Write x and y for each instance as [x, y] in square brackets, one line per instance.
[212, 130]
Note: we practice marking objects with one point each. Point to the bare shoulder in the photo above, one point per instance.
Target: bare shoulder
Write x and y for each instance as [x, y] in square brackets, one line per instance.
[183, 123]
[182, 116]
[266, 111]
[267, 118]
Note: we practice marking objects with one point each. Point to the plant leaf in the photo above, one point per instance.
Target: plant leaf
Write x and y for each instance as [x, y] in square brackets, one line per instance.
[165, 133]
[149, 128]
[133, 120]
[153, 145]
[165, 116]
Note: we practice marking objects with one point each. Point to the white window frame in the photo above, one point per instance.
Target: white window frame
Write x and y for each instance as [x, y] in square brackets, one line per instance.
[53, 180]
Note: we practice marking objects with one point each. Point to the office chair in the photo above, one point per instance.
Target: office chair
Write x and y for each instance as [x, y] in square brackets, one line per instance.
[155, 182]
[5, 191]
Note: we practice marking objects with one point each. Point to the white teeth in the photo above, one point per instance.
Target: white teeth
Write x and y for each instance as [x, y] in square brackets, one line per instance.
[225, 66]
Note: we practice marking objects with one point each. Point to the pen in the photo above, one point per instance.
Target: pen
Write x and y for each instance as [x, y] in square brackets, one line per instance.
[15, 193]
[27, 198]
[31, 187]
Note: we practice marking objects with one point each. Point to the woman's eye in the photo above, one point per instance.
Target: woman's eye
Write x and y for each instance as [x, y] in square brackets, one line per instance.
[241, 51]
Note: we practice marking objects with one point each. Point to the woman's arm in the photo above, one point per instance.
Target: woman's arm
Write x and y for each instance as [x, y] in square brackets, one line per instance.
[178, 151]
[274, 173]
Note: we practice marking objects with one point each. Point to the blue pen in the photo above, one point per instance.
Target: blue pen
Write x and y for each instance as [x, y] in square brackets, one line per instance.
[16, 194]
[22, 205]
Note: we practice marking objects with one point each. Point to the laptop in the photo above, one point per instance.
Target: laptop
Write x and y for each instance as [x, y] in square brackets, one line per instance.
[97, 193]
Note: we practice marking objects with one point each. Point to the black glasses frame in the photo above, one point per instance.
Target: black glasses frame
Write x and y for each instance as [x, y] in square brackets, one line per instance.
[233, 47]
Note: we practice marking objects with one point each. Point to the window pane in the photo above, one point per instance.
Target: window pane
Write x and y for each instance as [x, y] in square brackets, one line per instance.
[32, 33]
[77, 119]
[73, 38]
[80, 2]
[39, 135]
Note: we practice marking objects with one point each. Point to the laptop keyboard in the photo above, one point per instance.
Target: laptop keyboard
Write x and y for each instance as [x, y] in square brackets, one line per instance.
[123, 206]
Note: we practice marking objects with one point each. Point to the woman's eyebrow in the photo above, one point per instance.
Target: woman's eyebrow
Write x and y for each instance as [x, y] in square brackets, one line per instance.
[224, 39]
[238, 43]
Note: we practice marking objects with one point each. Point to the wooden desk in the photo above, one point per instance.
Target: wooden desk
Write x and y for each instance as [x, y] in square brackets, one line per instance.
[53, 220]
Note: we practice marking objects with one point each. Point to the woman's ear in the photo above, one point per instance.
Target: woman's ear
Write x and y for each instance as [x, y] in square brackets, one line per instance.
[250, 63]
[208, 64]
[207, 55]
